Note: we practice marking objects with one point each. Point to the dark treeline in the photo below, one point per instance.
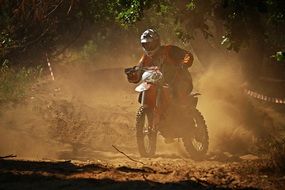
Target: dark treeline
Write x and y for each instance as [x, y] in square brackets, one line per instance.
[31, 27]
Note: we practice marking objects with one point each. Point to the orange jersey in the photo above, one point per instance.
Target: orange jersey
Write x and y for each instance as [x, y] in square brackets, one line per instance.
[170, 59]
[171, 54]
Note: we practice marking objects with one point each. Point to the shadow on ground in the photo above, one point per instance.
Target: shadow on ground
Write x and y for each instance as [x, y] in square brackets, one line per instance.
[19, 174]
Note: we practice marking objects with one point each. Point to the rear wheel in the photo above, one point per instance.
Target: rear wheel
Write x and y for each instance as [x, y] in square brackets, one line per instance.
[197, 143]
[146, 135]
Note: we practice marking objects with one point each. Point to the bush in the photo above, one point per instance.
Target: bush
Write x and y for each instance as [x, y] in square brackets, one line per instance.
[14, 82]
[274, 150]
[277, 154]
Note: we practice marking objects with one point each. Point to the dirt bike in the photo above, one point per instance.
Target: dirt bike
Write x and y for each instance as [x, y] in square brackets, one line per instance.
[159, 112]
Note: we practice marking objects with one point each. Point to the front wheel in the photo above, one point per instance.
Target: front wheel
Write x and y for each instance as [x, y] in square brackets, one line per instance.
[146, 134]
[198, 142]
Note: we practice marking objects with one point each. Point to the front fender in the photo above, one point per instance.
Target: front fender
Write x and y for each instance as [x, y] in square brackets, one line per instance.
[142, 87]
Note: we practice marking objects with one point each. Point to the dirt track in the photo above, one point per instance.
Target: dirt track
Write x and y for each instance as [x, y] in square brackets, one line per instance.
[121, 173]
[64, 141]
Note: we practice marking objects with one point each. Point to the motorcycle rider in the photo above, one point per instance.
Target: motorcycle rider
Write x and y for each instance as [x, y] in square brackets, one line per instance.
[171, 60]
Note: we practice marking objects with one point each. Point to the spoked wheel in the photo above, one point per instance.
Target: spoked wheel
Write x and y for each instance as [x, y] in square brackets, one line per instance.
[146, 135]
[197, 143]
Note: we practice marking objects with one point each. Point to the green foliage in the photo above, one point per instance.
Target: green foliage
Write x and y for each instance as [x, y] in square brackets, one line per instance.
[98, 11]
[261, 22]
[14, 83]
[6, 40]
[163, 9]
[131, 11]
[185, 37]
[191, 5]
[279, 56]
[43, 25]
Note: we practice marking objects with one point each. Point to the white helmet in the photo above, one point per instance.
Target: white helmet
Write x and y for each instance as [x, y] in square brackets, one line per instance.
[150, 42]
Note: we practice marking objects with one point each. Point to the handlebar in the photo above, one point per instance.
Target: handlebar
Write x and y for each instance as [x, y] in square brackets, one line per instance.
[137, 68]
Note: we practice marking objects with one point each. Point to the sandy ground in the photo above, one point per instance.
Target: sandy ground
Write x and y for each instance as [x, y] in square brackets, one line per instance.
[122, 173]
[63, 136]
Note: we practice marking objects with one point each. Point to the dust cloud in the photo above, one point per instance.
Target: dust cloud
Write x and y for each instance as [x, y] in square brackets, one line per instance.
[88, 109]
[84, 111]
[222, 103]
[25, 134]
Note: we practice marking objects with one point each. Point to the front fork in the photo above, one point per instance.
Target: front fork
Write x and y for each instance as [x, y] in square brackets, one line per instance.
[156, 111]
